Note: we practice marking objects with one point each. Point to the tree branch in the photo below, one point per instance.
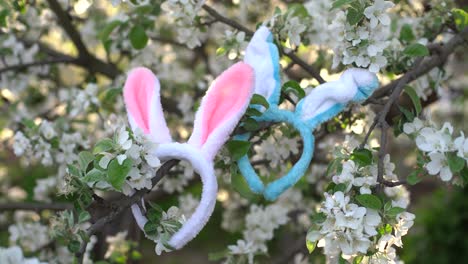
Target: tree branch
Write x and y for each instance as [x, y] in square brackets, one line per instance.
[23, 66]
[65, 22]
[436, 60]
[119, 206]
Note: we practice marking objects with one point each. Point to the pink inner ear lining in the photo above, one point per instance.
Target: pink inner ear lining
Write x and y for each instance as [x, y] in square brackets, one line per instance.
[227, 95]
[138, 92]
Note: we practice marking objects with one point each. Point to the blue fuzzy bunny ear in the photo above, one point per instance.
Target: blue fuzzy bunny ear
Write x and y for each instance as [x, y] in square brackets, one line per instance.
[329, 99]
[263, 56]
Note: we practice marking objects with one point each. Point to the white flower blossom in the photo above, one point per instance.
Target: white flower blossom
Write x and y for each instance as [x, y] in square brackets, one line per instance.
[21, 144]
[30, 236]
[14, 255]
[376, 13]
[439, 164]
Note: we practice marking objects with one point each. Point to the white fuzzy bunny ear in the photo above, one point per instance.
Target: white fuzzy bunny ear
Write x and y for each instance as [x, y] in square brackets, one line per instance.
[328, 99]
[222, 107]
[143, 103]
[262, 54]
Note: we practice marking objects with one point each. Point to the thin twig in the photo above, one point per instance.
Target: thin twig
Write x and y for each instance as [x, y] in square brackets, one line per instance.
[22, 66]
[234, 24]
[13, 206]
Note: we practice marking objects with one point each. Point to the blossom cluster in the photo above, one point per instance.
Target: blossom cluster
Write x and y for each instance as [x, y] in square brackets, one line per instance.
[183, 13]
[363, 44]
[167, 223]
[45, 143]
[132, 154]
[276, 148]
[260, 224]
[14, 255]
[445, 155]
[352, 222]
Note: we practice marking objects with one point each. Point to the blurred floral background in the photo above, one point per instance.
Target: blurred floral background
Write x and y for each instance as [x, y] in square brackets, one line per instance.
[387, 182]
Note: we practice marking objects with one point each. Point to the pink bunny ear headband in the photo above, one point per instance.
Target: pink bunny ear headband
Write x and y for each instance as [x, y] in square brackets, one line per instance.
[324, 102]
[221, 109]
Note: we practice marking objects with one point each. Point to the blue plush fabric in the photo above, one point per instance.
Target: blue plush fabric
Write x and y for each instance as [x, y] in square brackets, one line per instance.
[274, 56]
[277, 187]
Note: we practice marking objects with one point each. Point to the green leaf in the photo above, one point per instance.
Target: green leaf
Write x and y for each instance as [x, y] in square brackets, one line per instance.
[250, 124]
[103, 146]
[414, 177]
[240, 186]
[358, 259]
[369, 201]
[416, 50]
[330, 187]
[83, 235]
[464, 175]
[151, 229]
[135, 255]
[407, 113]
[109, 95]
[406, 33]
[354, 16]
[311, 246]
[394, 211]
[238, 148]
[155, 213]
[74, 246]
[83, 217]
[319, 218]
[341, 260]
[28, 123]
[73, 170]
[414, 98]
[253, 112]
[117, 173]
[221, 51]
[362, 156]
[94, 175]
[138, 37]
[460, 17]
[20, 5]
[455, 163]
[293, 87]
[84, 158]
[3, 17]
[107, 30]
[217, 256]
[340, 3]
[386, 229]
[333, 165]
[341, 187]
[298, 10]
[259, 100]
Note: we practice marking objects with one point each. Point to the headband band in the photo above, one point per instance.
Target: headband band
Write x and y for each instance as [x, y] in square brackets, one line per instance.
[323, 103]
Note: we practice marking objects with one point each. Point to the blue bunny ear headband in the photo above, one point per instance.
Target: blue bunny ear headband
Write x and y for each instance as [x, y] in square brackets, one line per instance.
[324, 102]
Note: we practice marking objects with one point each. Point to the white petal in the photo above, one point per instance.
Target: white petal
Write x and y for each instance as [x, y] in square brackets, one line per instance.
[446, 174]
[121, 158]
[104, 161]
[384, 19]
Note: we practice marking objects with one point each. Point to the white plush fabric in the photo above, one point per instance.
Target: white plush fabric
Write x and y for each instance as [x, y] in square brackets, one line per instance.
[258, 54]
[210, 188]
[341, 91]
